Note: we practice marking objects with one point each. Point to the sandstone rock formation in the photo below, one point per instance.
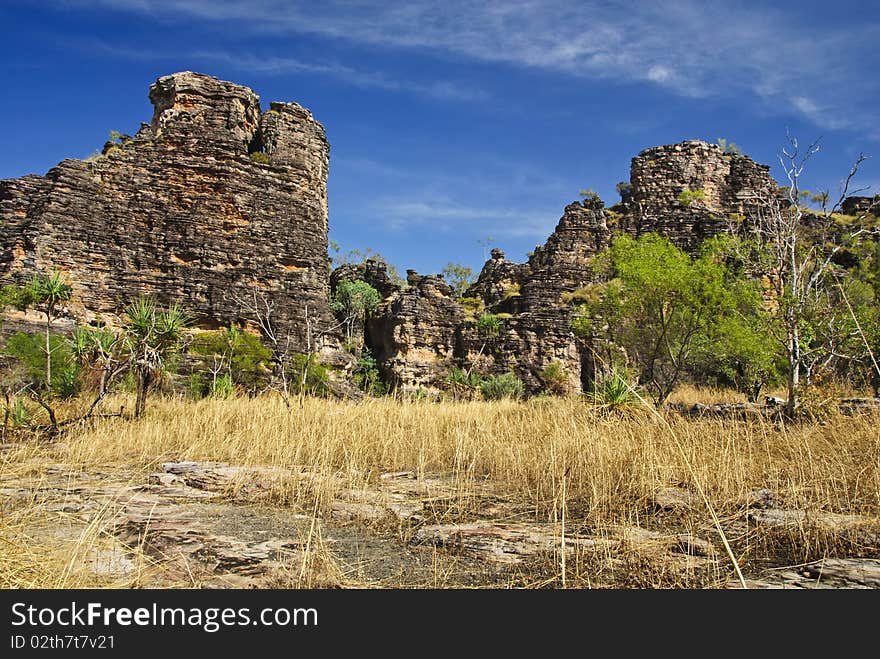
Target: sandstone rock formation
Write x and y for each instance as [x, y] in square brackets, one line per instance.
[421, 332]
[693, 190]
[215, 201]
[209, 202]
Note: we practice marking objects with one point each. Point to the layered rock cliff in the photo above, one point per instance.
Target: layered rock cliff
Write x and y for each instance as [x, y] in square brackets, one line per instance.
[211, 201]
[687, 192]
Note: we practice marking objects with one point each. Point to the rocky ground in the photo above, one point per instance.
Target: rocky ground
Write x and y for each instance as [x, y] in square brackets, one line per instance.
[211, 525]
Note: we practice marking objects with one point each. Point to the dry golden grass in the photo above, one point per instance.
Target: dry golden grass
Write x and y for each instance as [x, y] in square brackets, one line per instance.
[611, 464]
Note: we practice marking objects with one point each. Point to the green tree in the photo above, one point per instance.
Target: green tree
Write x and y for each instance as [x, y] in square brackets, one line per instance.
[354, 302]
[459, 277]
[153, 335]
[663, 308]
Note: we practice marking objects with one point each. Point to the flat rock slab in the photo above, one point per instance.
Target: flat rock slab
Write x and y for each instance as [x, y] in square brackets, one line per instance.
[674, 499]
[864, 531]
[501, 543]
[829, 573]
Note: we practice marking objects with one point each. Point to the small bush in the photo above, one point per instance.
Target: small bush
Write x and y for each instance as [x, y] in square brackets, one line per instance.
[511, 291]
[489, 324]
[19, 414]
[471, 306]
[260, 157]
[366, 375]
[197, 386]
[317, 378]
[247, 360]
[29, 350]
[498, 387]
[223, 387]
[614, 392]
[584, 294]
[461, 376]
[555, 379]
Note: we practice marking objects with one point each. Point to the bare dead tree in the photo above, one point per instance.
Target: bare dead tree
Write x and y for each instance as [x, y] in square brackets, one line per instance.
[799, 268]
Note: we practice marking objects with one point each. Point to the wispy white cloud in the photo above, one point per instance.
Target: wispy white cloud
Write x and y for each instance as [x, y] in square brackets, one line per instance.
[444, 90]
[448, 215]
[785, 57]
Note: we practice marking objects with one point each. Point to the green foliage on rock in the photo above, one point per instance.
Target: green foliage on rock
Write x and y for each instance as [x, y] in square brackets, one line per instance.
[354, 301]
[471, 306]
[15, 296]
[367, 376]
[688, 197]
[489, 325]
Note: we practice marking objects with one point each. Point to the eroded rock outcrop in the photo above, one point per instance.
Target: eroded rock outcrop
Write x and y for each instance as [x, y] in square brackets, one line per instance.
[209, 201]
[693, 190]
[687, 192]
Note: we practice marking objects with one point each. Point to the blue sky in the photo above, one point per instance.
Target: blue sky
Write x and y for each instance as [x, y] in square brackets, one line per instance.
[452, 123]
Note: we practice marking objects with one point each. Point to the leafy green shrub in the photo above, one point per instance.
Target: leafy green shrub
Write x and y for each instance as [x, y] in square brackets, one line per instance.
[354, 301]
[614, 391]
[460, 377]
[244, 356]
[366, 375]
[260, 157]
[489, 324]
[498, 387]
[317, 378]
[197, 386]
[29, 350]
[19, 414]
[555, 379]
[223, 387]
[16, 296]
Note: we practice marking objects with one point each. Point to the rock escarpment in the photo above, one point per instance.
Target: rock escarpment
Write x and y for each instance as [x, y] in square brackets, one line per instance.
[208, 203]
[687, 192]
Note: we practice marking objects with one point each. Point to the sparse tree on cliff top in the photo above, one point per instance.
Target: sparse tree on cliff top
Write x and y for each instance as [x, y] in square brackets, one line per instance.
[459, 277]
